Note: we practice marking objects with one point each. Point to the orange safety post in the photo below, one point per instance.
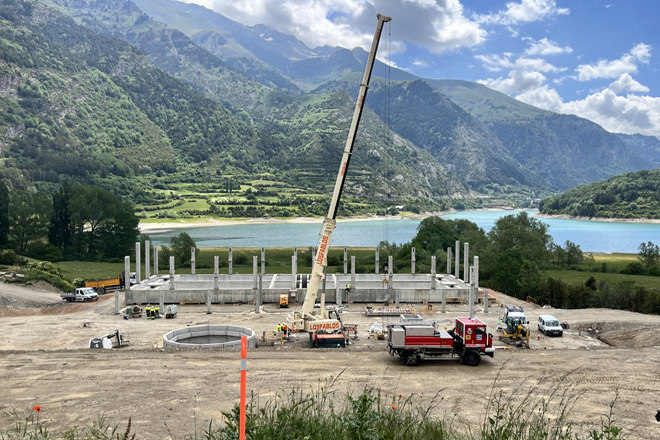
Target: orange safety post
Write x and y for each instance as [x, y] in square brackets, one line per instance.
[243, 386]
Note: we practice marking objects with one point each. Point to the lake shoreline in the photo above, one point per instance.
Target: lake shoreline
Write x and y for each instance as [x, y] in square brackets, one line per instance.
[600, 219]
[159, 227]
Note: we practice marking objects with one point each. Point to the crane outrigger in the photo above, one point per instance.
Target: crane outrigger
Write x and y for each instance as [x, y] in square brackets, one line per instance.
[310, 319]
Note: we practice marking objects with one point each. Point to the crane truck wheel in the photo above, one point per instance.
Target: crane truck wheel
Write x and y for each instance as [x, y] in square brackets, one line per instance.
[471, 358]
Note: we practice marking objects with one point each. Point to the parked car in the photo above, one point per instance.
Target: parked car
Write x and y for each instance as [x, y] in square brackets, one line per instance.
[550, 326]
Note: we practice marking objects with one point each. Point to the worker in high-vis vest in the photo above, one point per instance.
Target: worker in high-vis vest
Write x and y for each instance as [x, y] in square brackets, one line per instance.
[147, 311]
[156, 312]
[348, 289]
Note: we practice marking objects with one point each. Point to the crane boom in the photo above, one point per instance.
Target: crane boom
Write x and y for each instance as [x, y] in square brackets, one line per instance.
[320, 262]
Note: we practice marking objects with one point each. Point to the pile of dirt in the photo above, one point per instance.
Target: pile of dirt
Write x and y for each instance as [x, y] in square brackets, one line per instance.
[628, 334]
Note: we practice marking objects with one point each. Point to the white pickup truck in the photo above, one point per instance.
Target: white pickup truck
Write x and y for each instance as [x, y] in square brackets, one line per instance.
[81, 294]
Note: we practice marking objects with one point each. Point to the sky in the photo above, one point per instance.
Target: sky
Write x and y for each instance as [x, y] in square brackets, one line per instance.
[590, 58]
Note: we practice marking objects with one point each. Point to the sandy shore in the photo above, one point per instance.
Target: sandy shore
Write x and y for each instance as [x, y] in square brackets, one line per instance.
[204, 222]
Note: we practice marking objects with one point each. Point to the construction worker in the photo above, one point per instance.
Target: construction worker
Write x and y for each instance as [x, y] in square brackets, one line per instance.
[285, 329]
[156, 312]
[279, 327]
[348, 289]
[147, 311]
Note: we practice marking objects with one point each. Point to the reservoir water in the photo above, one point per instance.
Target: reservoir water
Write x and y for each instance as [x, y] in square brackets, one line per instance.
[592, 236]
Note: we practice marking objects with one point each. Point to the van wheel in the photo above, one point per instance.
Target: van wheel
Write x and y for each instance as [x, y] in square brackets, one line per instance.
[471, 358]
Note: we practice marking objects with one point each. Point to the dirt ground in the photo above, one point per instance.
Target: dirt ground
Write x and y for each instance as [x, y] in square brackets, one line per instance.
[169, 394]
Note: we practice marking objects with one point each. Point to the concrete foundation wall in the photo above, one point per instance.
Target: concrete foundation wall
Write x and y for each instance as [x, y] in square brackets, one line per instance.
[223, 337]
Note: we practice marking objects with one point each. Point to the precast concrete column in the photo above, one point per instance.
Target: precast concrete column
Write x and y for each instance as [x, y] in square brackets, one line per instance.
[147, 263]
[377, 260]
[471, 300]
[155, 260]
[466, 253]
[457, 264]
[476, 282]
[231, 261]
[161, 302]
[353, 287]
[127, 273]
[444, 301]
[390, 270]
[216, 277]
[263, 260]
[412, 261]
[257, 302]
[192, 261]
[171, 272]
[338, 298]
[448, 261]
[209, 295]
[255, 265]
[433, 273]
[138, 263]
[345, 261]
[294, 269]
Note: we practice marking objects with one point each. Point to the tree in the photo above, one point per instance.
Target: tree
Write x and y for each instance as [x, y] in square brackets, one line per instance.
[526, 234]
[573, 253]
[29, 214]
[4, 213]
[649, 254]
[60, 232]
[181, 245]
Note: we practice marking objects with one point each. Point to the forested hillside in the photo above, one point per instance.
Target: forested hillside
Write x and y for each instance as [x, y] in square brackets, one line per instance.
[633, 195]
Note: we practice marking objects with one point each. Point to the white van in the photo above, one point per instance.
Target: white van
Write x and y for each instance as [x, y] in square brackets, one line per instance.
[549, 325]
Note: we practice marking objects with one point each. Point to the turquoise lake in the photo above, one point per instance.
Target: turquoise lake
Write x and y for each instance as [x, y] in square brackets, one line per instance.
[592, 236]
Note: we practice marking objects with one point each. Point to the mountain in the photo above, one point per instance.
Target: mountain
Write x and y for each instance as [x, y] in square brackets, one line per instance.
[632, 195]
[80, 105]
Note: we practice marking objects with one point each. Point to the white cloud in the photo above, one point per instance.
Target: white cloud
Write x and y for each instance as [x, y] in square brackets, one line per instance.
[518, 81]
[496, 63]
[618, 114]
[438, 26]
[626, 83]
[420, 63]
[525, 11]
[615, 68]
[545, 47]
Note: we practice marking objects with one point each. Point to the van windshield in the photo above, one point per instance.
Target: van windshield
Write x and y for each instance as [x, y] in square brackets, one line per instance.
[553, 323]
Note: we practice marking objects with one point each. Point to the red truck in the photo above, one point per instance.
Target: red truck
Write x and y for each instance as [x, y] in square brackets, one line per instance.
[468, 340]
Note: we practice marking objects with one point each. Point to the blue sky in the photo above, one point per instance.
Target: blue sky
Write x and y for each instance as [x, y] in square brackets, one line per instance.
[592, 58]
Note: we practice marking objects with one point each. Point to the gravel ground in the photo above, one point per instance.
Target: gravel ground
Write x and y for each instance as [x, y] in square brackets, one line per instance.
[169, 394]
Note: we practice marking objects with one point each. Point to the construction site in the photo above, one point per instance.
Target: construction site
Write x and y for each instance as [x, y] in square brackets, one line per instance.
[162, 350]
[45, 359]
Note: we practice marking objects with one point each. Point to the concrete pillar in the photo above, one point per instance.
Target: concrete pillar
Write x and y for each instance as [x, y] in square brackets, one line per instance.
[209, 295]
[338, 298]
[161, 302]
[444, 301]
[138, 263]
[127, 273]
[466, 253]
[471, 298]
[192, 261]
[255, 265]
[353, 286]
[263, 260]
[390, 271]
[448, 261]
[155, 260]
[377, 260]
[231, 261]
[147, 263]
[257, 302]
[345, 261]
[172, 272]
[294, 269]
[433, 273]
[412, 261]
[216, 277]
[457, 264]
[476, 282]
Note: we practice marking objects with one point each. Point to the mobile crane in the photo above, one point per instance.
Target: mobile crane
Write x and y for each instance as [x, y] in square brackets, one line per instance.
[321, 320]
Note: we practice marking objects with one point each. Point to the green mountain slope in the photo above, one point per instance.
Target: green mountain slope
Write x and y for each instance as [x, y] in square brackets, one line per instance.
[633, 195]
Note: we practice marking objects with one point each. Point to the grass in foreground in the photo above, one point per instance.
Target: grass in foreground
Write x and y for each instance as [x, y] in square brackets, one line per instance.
[371, 415]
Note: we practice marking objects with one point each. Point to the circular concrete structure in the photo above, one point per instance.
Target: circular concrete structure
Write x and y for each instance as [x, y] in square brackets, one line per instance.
[223, 337]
